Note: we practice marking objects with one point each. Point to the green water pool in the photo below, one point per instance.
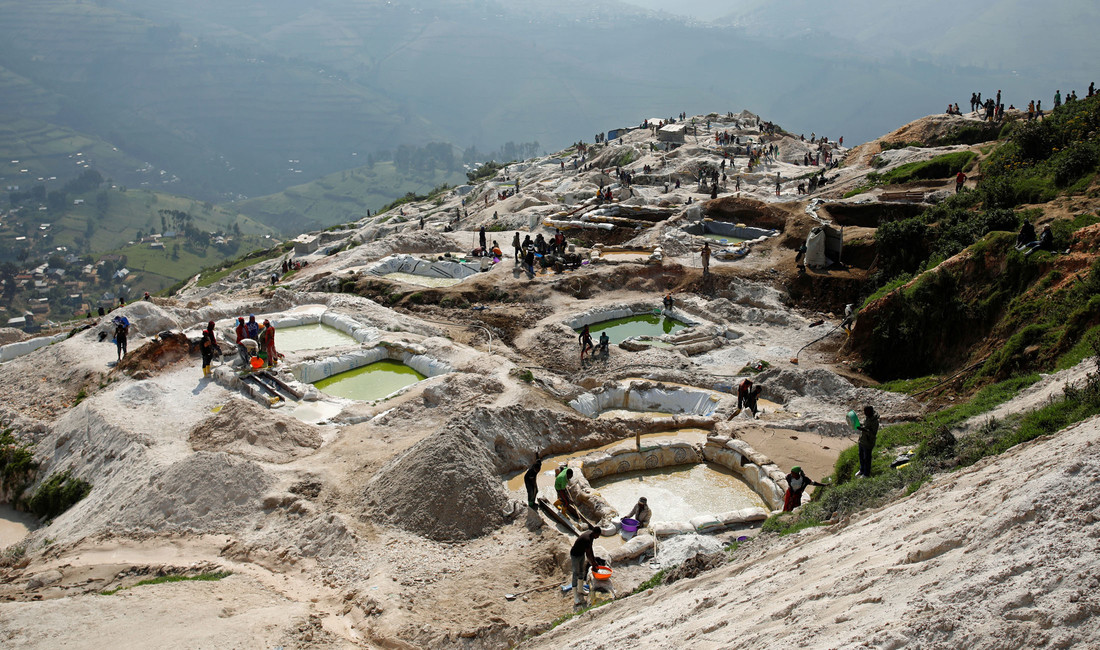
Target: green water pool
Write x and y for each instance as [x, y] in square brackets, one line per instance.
[620, 329]
[311, 337]
[370, 382]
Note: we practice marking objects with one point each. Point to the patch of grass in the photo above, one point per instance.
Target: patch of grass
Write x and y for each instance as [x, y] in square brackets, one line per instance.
[202, 577]
[487, 170]
[910, 386]
[526, 376]
[912, 433]
[896, 283]
[787, 523]
[754, 368]
[888, 146]
[561, 619]
[81, 395]
[17, 464]
[625, 158]
[654, 580]
[943, 166]
[212, 275]
[1081, 351]
[57, 494]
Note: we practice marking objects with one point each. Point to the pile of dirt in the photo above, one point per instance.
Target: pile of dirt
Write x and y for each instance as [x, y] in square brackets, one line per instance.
[244, 428]
[158, 354]
[416, 241]
[204, 493]
[696, 565]
[747, 211]
[444, 488]
[11, 335]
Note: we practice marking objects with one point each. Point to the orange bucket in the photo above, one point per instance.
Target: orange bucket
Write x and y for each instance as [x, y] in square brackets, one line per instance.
[601, 572]
[256, 363]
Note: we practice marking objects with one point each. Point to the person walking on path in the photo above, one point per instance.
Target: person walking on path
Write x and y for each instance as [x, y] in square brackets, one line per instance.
[122, 330]
[868, 434]
[516, 247]
[208, 347]
[580, 556]
[530, 480]
[960, 179]
[585, 339]
[797, 482]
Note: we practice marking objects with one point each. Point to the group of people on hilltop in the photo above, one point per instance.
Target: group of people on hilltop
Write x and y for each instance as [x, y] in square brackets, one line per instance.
[992, 109]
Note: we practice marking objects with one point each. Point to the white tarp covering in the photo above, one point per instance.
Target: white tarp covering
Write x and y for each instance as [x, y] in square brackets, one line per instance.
[659, 399]
[19, 348]
[426, 268]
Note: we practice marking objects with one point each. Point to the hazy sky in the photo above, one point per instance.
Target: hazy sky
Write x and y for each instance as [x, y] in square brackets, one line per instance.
[698, 9]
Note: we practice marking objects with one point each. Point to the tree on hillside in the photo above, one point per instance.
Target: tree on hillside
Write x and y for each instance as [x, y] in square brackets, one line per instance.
[102, 202]
[7, 275]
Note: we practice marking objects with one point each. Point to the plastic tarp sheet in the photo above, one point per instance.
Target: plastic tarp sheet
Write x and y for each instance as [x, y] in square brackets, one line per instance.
[823, 246]
[19, 348]
[426, 268]
[815, 248]
[659, 400]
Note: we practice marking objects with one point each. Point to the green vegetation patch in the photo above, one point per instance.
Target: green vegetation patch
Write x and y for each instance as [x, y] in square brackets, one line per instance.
[17, 464]
[939, 167]
[938, 450]
[57, 494]
[202, 577]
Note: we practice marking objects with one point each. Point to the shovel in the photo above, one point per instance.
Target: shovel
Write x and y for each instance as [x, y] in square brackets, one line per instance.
[511, 597]
[655, 563]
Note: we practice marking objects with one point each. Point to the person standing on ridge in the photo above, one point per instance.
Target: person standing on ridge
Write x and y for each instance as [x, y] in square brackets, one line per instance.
[208, 347]
[868, 435]
[122, 330]
[960, 179]
[530, 480]
[704, 257]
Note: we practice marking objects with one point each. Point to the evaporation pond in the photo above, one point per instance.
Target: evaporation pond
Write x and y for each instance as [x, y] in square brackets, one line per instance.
[370, 382]
[311, 337]
[620, 329]
[681, 492]
[722, 239]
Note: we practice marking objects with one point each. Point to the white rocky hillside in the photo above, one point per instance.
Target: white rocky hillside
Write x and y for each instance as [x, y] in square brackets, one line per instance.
[395, 519]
